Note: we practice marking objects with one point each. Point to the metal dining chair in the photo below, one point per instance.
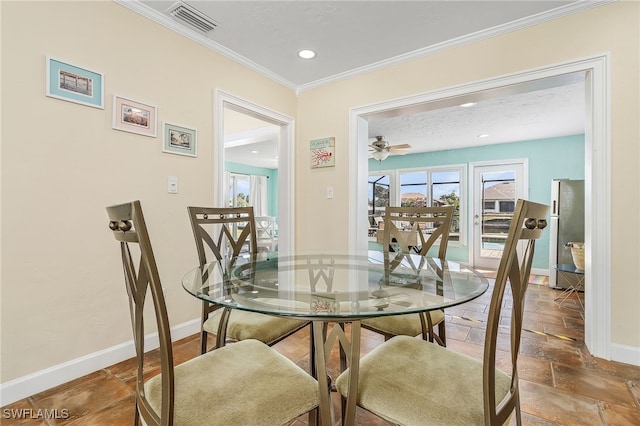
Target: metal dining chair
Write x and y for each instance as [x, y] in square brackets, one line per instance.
[244, 383]
[412, 382]
[412, 231]
[230, 233]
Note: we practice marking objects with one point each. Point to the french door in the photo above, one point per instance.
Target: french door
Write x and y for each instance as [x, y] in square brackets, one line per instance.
[494, 190]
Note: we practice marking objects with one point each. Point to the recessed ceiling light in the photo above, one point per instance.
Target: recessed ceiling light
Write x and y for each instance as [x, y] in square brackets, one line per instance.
[254, 151]
[484, 135]
[468, 104]
[307, 54]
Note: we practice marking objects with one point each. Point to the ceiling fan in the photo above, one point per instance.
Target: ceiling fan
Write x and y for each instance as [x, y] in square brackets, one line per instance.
[380, 148]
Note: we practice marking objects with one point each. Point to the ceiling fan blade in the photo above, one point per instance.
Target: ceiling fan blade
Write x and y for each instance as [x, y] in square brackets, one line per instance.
[400, 151]
[402, 146]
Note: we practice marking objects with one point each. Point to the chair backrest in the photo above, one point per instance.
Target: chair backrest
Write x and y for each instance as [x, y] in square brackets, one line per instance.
[141, 276]
[222, 231]
[266, 232]
[222, 234]
[417, 227]
[529, 219]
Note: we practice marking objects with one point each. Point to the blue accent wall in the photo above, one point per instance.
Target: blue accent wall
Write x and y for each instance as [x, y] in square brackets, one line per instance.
[272, 181]
[553, 158]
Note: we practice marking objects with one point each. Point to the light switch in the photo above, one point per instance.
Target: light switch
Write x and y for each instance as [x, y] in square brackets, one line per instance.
[329, 191]
[172, 184]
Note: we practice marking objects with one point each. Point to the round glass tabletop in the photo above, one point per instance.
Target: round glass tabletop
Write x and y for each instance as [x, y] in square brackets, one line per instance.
[329, 285]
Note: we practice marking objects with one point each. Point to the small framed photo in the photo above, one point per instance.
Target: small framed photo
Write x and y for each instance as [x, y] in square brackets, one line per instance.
[179, 140]
[134, 117]
[74, 84]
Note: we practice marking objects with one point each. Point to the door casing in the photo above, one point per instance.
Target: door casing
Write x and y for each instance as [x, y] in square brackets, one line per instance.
[597, 179]
[286, 152]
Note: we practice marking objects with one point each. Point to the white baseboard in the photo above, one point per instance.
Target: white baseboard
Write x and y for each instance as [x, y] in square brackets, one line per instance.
[42, 380]
[625, 354]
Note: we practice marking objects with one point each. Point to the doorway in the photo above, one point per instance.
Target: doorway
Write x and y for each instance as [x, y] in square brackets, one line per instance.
[494, 190]
[597, 177]
[224, 103]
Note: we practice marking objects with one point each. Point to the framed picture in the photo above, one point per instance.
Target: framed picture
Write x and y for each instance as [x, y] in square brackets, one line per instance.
[323, 152]
[179, 140]
[74, 84]
[134, 117]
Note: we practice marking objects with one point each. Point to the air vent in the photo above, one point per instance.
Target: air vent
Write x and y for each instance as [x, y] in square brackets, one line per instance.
[194, 18]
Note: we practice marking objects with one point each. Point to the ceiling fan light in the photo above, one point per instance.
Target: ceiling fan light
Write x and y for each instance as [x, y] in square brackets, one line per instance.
[380, 155]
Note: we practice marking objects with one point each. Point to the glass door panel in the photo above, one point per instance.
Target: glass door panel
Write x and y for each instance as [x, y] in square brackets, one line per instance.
[496, 189]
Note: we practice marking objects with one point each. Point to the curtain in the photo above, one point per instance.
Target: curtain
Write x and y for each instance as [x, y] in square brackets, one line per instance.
[258, 195]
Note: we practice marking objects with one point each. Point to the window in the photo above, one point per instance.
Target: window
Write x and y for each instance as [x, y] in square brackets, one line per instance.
[379, 196]
[413, 189]
[431, 188]
[238, 190]
[420, 188]
[507, 206]
[489, 206]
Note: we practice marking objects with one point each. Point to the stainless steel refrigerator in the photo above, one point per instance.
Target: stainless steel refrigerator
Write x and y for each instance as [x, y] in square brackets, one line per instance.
[566, 224]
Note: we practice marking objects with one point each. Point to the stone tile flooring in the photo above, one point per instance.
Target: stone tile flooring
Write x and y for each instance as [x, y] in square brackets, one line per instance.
[560, 383]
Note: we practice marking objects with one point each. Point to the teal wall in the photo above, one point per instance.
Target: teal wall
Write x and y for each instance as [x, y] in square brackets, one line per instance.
[553, 158]
[272, 181]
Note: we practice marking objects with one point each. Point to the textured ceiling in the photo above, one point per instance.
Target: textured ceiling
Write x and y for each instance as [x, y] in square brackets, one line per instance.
[353, 37]
[538, 114]
[348, 35]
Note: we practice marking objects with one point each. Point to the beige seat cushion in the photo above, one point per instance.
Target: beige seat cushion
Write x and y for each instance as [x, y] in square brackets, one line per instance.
[402, 325]
[250, 325]
[412, 382]
[247, 383]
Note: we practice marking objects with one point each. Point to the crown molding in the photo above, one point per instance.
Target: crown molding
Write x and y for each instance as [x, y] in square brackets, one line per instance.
[569, 9]
[466, 39]
[165, 21]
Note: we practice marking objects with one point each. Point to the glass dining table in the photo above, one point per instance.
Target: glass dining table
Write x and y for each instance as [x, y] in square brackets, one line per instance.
[334, 289]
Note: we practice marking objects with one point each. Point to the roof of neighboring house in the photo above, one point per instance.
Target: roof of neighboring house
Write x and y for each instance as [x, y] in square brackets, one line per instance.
[411, 195]
[501, 191]
[419, 196]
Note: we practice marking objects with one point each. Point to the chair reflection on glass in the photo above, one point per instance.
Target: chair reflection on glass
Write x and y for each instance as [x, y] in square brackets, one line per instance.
[230, 233]
[244, 383]
[266, 233]
[411, 382]
[407, 231]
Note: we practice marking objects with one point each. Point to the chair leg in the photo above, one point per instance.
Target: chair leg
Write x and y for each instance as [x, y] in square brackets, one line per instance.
[442, 333]
[203, 342]
[314, 417]
[136, 415]
[312, 354]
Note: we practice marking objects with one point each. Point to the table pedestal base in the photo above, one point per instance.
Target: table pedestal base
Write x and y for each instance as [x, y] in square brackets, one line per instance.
[323, 342]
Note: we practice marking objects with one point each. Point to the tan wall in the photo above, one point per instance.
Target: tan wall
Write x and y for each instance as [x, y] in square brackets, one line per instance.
[63, 293]
[324, 112]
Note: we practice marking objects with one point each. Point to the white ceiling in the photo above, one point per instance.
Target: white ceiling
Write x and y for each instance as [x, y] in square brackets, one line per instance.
[354, 37]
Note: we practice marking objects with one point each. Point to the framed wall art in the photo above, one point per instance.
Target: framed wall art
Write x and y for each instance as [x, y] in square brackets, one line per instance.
[322, 152]
[179, 140]
[74, 84]
[134, 117]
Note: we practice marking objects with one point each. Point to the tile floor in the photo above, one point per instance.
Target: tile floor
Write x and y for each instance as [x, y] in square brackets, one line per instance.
[560, 383]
